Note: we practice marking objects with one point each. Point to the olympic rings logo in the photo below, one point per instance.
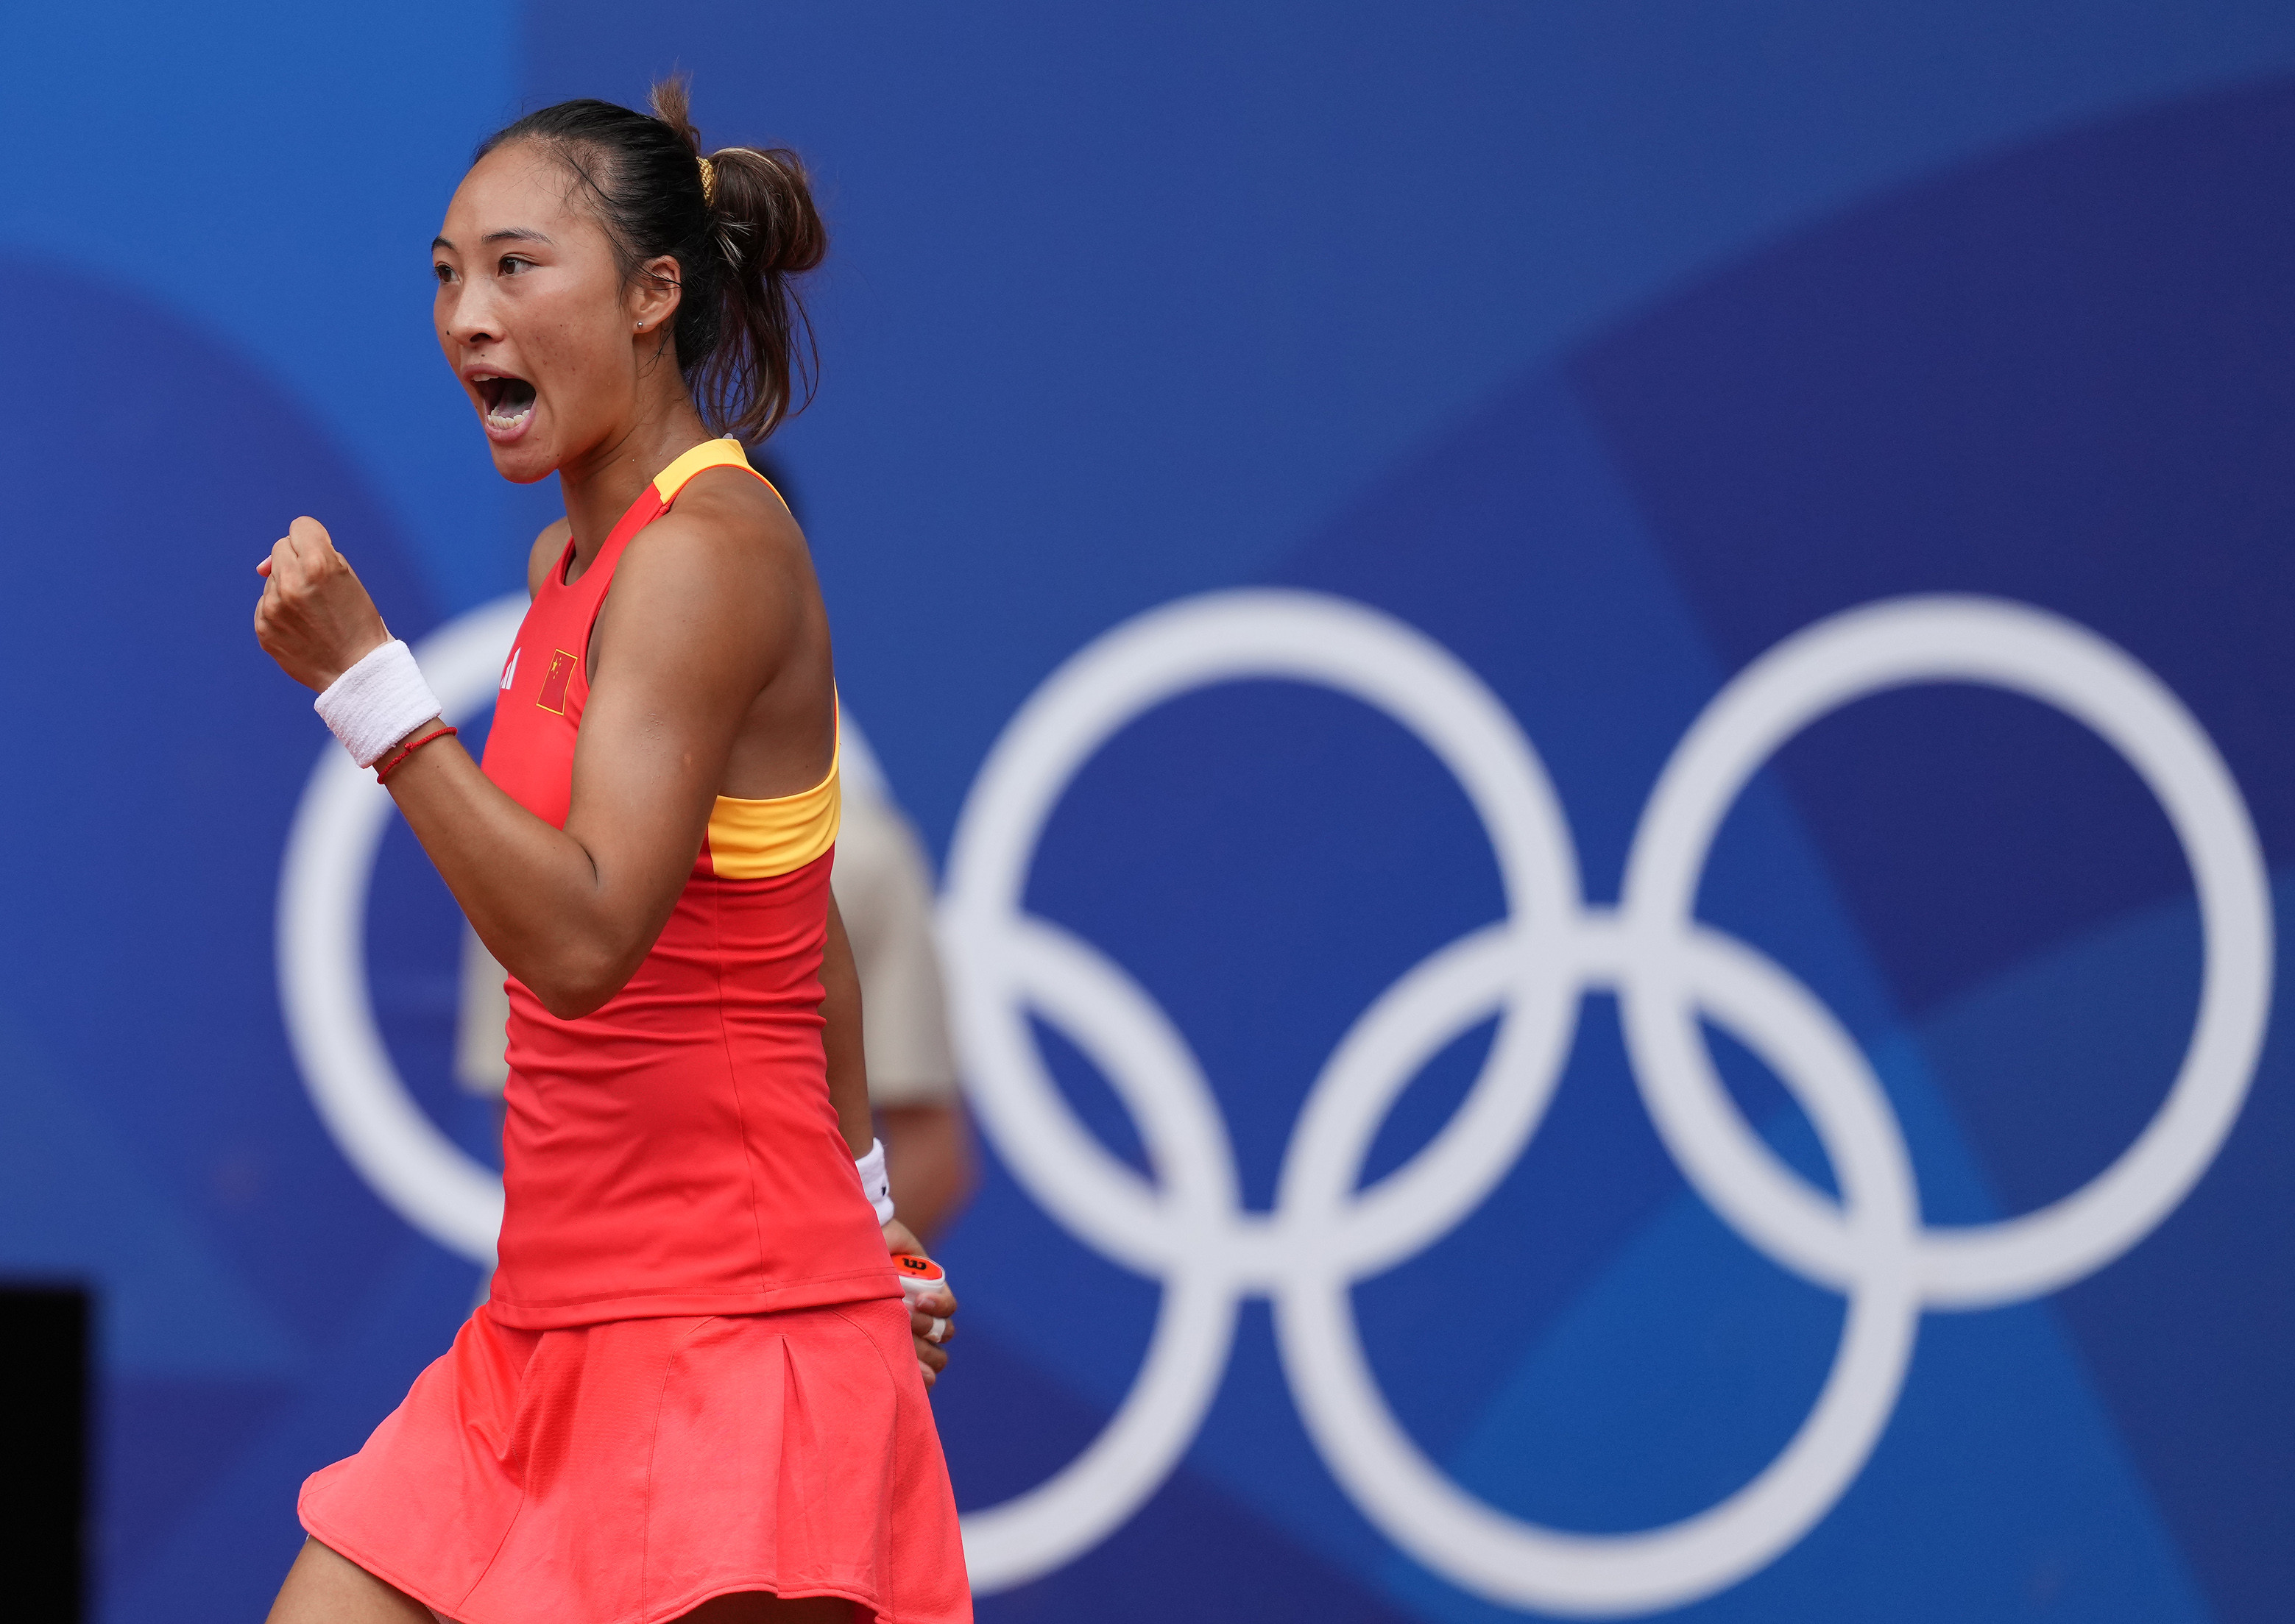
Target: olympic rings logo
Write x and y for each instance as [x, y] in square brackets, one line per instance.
[1189, 1229]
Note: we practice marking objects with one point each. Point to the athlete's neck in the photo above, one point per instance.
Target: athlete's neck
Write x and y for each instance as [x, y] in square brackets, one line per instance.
[599, 486]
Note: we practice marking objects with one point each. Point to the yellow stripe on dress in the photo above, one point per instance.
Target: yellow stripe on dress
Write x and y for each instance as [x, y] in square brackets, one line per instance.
[758, 839]
[726, 453]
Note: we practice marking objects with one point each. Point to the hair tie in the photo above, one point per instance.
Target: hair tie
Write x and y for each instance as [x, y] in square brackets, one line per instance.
[708, 181]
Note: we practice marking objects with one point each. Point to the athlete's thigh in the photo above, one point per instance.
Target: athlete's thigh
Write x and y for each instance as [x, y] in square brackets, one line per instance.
[757, 1607]
[324, 1588]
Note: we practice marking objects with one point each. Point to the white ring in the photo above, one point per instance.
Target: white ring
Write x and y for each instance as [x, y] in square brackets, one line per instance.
[1189, 1229]
[2025, 650]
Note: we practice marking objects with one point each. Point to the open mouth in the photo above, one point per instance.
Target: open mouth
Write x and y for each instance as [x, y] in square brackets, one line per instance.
[508, 401]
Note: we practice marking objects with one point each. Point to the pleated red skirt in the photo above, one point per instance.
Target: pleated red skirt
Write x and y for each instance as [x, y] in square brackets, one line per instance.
[625, 1473]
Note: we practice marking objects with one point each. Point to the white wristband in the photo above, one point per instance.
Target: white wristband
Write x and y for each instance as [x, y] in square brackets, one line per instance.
[377, 702]
[874, 1183]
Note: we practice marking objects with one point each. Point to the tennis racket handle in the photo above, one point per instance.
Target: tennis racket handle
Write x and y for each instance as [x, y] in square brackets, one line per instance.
[919, 1274]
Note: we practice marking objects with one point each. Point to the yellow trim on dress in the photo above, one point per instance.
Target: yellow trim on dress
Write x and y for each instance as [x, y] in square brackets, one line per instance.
[759, 839]
[726, 453]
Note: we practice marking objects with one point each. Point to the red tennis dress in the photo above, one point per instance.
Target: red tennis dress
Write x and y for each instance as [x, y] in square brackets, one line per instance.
[693, 1375]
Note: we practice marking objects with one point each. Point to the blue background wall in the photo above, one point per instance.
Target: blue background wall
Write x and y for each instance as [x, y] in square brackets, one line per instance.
[1607, 344]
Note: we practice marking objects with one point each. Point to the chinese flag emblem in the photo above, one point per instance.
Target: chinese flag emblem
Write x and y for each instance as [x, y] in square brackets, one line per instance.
[554, 679]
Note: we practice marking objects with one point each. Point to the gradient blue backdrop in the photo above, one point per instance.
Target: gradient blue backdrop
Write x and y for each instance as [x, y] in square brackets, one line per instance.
[1606, 343]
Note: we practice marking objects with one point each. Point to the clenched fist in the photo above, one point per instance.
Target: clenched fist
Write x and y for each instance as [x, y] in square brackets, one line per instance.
[316, 617]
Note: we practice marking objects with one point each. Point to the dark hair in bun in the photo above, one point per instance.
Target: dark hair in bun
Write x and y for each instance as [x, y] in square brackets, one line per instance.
[739, 231]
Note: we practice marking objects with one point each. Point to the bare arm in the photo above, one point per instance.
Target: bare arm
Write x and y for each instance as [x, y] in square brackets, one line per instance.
[708, 608]
[930, 1316]
[849, 1091]
[840, 1036]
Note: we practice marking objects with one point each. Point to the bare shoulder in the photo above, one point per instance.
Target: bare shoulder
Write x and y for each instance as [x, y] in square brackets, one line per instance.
[741, 512]
[726, 566]
[549, 546]
[728, 533]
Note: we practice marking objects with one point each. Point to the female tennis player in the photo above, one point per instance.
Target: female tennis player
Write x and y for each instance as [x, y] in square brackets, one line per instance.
[694, 1390]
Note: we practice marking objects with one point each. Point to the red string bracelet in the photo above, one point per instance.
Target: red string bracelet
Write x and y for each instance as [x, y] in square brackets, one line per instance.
[407, 749]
